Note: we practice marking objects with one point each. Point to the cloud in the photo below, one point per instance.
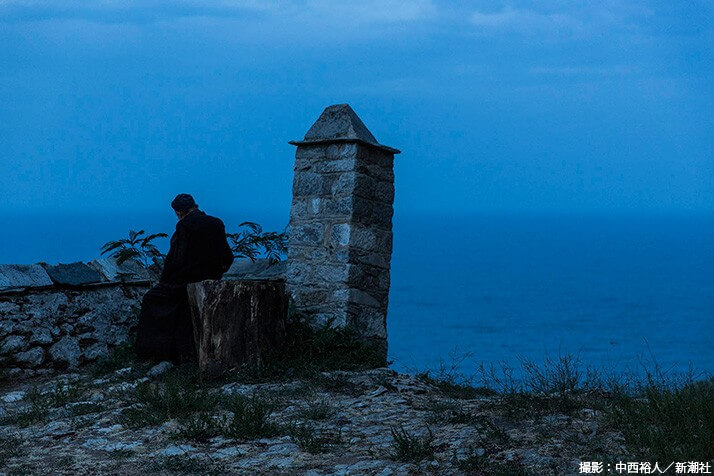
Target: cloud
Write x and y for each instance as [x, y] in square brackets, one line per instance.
[142, 11]
[523, 20]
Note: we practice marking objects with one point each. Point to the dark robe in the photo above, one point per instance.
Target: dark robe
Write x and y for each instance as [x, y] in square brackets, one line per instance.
[198, 251]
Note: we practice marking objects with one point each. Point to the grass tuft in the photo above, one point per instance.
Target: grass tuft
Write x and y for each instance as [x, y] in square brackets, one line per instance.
[250, 418]
[666, 422]
[411, 448]
[175, 397]
[310, 350]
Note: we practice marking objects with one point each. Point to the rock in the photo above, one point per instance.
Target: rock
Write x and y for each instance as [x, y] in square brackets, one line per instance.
[95, 351]
[31, 358]
[7, 327]
[73, 274]
[129, 271]
[9, 308]
[176, 450]
[13, 344]
[230, 452]
[41, 336]
[13, 396]
[159, 369]
[45, 306]
[66, 352]
[237, 322]
[19, 276]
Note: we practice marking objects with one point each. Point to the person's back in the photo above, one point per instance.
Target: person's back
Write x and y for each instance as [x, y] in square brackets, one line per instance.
[198, 251]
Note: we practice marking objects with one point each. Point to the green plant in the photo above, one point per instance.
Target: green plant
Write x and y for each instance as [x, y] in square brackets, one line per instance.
[252, 242]
[321, 410]
[312, 441]
[85, 408]
[138, 246]
[184, 464]
[309, 350]
[477, 464]
[250, 418]
[411, 448]
[666, 421]
[9, 447]
[121, 357]
[176, 397]
[451, 382]
[199, 427]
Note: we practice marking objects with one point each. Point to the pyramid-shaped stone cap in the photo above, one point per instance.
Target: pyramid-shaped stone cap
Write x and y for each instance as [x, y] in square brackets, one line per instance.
[339, 123]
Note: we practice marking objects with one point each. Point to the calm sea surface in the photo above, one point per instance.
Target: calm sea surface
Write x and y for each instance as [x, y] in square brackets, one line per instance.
[615, 291]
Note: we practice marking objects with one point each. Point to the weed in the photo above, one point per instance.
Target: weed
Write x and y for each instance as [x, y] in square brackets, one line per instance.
[411, 448]
[450, 412]
[178, 464]
[174, 398]
[199, 427]
[121, 357]
[85, 408]
[9, 447]
[311, 349]
[667, 422]
[452, 388]
[480, 465]
[337, 383]
[313, 441]
[250, 418]
[322, 410]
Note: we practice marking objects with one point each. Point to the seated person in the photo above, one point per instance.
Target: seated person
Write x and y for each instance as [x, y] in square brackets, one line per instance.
[199, 250]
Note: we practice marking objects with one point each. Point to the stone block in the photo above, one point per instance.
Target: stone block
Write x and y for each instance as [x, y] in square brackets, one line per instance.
[331, 273]
[66, 352]
[307, 234]
[9, 308]
[340, 234]
[363, 238]
[315, 151]
[342, 164]
[308, 184]
[45, 306]
[19, 276]
[95, 351]
[31, 358]
[41, 336]
[384, 191]
[341, 207]
[128, 271]
[13, 344]
[73, 274]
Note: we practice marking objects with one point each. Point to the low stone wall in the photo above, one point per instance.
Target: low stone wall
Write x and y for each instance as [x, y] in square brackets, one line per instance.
[55, 328]
[63, 316]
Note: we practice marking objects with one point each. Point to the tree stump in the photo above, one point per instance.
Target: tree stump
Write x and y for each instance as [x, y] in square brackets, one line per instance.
[237, 322]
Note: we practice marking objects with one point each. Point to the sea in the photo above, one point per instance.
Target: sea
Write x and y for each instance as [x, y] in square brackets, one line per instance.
[617, 292]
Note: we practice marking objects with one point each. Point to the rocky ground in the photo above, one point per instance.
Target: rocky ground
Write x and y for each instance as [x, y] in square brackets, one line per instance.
[161, 420]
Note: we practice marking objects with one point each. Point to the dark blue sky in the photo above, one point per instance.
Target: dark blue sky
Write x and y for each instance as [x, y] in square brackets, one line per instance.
[518, 106]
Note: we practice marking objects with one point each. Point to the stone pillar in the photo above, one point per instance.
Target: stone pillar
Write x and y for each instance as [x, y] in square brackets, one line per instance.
[340, 244]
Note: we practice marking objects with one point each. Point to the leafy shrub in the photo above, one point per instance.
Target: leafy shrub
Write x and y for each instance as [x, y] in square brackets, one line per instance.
[138, 246]
[252, 242]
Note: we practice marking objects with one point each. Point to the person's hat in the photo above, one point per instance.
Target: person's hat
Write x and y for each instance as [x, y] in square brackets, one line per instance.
[183, 202]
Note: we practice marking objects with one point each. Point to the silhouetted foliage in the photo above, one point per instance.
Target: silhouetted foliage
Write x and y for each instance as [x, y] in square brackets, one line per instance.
[252, 242]
[138, 246]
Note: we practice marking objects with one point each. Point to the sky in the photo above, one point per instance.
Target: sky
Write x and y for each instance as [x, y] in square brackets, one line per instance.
[519, 106]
